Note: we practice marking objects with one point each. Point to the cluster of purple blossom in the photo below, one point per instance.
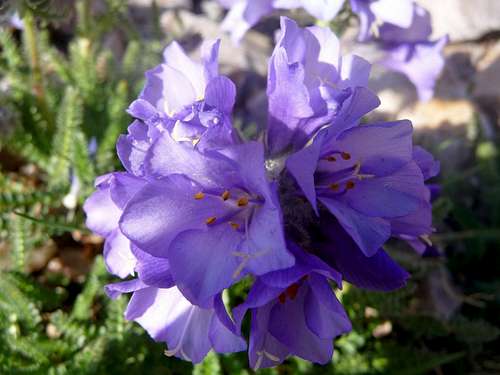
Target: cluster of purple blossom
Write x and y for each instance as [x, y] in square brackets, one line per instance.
[400, 29]
[199, 208]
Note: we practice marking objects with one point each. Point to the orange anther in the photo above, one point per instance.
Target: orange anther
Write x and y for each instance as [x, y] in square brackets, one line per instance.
[334, 187]
[225, 196]
[331, 158]
[349, 185]
[242, 202]
[282, 298]
[345, 155]
[234, 225]
[210, 220]
[199, 196]
[292, 290]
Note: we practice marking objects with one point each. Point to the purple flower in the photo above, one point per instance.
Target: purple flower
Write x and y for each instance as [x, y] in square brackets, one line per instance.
[213, 215]
[416, 227]
[198, 209]
[189, 99]
[133, 147]
[244, 14]
[189, 331]
[337, 248]
[103, 209]
[411, 52]
[294, 312]
[372, 12]
[327, 88]
[365, 176]
[157, 305]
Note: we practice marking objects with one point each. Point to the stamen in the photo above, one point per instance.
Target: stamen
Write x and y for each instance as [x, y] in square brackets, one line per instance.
[183, 354]
[225, 196]
[210, 220]
[345, 155]
[349, 185]
[272, 357]
[331, 158]
[195, 140]
[334, 187]
[246, 258]
[259, 361]
[426, 239]
[242, 202]
[199, 196]
[234, 225]
[357, 168]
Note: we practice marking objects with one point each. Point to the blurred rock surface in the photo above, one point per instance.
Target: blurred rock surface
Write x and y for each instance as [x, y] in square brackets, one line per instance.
[463, 19]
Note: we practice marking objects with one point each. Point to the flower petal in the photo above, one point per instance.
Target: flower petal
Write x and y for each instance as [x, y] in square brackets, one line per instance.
[102, 213]
[288, 325]
[162, 210]
[264, 349]
[169, 317]
[203, 263]
[118, 256]
[324, 314]
[224, 339]
[397, 194]
[369, 233]
[378, 272]
[221, 94]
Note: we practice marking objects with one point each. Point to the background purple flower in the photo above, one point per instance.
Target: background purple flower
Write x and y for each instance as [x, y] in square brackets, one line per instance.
[244, 14]
[372, 13]
[411, 52]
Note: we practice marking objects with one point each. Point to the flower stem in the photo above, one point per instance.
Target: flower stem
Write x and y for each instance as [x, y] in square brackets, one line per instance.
[38, 87]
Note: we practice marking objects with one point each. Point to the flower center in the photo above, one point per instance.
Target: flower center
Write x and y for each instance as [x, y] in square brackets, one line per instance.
[343, 177]
[238, 207]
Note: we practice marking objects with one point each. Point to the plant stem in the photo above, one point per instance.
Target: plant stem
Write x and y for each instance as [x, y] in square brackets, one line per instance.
[37, 83]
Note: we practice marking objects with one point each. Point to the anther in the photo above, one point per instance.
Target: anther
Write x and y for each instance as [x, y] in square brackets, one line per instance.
[282, 298]
[199, 196]
[210, 220]
[345, 155]
[334, 187]
[242, 202]
[331, 158]
[349, 185]
[234, 225]
[225, 196]
[292, 291]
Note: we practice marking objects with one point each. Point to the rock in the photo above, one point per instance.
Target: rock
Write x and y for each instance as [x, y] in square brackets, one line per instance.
[438, 113]
[447, 128]
[382, 330]
[162, 4]
[40, 257]
[487, 79]
[463, 19]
